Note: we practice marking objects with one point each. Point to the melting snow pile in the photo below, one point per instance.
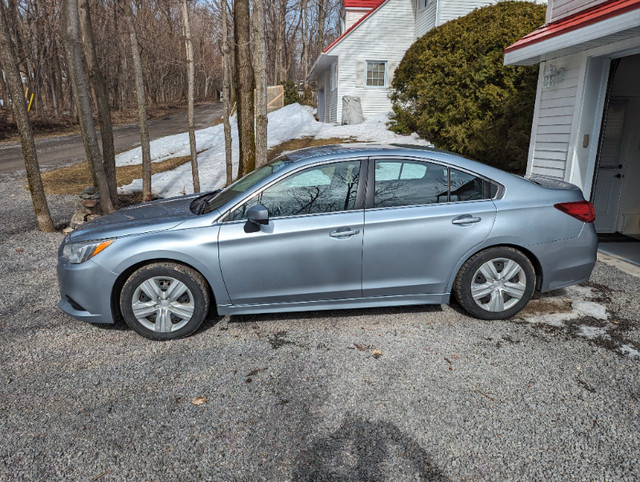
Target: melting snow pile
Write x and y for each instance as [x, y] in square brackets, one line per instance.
[575, 304]
[291, 122]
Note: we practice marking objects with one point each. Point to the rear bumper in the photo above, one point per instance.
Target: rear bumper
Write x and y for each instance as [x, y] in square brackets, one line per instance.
[85, 291]
[569, 261]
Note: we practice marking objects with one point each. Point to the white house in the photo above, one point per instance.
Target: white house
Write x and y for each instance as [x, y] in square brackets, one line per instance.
[586, 125]
[375, 36]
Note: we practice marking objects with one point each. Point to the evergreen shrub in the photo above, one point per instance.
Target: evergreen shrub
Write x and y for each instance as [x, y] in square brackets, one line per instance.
[453, 89]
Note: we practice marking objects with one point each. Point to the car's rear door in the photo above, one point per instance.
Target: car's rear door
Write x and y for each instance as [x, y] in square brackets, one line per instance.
[312, 247]
[421, 219]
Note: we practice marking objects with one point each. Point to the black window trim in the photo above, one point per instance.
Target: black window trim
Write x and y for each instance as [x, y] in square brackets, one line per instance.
[360, 194]
[369, 198]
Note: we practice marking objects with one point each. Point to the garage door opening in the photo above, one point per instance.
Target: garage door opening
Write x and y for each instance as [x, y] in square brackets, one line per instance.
[617, 174]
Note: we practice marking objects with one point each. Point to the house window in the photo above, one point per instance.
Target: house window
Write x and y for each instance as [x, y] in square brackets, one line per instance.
[376, 73]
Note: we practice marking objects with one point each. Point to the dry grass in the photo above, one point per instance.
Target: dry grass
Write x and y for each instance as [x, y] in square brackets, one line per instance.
[73, 179]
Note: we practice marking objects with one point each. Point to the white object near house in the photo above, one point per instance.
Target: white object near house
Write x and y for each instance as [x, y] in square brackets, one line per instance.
[375, 36]
[586, 125]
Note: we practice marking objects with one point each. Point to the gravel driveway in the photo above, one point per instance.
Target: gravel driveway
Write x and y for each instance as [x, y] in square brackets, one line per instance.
[405, 393]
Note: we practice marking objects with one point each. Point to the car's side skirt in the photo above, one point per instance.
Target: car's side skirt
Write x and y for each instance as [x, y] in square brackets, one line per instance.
[337, 304]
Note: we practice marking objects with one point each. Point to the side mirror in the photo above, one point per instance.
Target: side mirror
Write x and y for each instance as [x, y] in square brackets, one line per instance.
[256, 215]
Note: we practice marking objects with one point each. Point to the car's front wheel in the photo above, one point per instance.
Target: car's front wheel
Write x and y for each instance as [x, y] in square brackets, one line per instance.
[164, 301]
[495, 283]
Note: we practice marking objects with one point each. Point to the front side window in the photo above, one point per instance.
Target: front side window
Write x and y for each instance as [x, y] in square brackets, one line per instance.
[376, 73]
[413, 183]
[321, 189]
[244, 184]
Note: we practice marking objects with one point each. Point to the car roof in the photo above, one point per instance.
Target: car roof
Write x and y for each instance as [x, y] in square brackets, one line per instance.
[347, 150]
[344, 151]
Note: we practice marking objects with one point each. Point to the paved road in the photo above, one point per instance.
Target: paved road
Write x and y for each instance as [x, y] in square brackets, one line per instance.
[65, 150]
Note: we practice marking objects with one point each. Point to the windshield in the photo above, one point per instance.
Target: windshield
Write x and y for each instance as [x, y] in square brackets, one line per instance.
[244, 184]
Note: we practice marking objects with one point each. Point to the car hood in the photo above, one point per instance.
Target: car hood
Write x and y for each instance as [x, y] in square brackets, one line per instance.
[141, 218]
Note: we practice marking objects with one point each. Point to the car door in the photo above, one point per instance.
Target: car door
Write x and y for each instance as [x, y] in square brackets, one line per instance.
[421, 219]
[312, 247]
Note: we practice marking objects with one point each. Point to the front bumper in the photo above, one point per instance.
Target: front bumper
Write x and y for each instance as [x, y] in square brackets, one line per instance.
[85, 291]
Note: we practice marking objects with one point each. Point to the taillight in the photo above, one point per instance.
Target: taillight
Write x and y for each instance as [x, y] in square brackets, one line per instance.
[582, 210]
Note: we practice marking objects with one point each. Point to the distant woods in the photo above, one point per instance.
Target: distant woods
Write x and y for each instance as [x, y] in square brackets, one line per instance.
[295, 31]
[88, 59]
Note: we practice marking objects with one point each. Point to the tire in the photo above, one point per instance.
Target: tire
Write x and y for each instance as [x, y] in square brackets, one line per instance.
[165, 301]
[482, 290]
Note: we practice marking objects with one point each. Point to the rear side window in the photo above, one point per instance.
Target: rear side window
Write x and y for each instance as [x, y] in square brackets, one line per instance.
[413, 183]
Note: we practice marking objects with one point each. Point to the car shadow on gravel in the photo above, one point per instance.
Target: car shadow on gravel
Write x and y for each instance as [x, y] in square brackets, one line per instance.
[343, 313]
[365, 450]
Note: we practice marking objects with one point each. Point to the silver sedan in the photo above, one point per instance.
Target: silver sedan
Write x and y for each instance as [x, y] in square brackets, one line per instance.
[348, 226]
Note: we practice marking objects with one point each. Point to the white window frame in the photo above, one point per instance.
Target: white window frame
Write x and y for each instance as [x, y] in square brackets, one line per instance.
[334, 76]
[366, 72]
[422, 4]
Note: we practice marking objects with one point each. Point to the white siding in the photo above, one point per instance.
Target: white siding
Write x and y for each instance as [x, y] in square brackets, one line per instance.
[426, 18]
[558, 9]
[384, 36]
[554, 120]
[451, 9]
[352, 16]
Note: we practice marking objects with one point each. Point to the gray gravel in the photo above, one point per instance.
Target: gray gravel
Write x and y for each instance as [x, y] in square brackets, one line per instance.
[307, 396]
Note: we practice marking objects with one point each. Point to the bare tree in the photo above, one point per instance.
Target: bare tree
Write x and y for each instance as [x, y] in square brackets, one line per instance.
[190, 95]
[244, 87]
[260, 71]
[83, 102]
[102, 99]
[142, 102]
[226, 90]
[18, 104]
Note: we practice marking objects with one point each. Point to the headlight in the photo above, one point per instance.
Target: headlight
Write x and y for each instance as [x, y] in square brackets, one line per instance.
[80, 252]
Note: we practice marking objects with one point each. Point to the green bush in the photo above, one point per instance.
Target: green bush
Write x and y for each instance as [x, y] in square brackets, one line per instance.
[453, 89]
[291, 95]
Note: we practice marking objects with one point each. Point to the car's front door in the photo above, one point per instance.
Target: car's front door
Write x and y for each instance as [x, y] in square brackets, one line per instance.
[312, 247]
[421, 219]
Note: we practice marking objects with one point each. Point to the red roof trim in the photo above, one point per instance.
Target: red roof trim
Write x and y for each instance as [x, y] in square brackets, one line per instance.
[576, 21]
[361, 3]
[336, 41]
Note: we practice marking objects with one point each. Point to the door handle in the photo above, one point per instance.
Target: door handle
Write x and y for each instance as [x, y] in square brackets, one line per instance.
[466, 219]
[618, 175]
[343, 233]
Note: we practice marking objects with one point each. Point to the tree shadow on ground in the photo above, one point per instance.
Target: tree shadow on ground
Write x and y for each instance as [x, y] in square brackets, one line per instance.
[365, 450]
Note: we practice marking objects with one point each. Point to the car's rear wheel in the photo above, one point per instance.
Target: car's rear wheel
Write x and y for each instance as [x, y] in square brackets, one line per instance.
[164, 301]
[495, 283]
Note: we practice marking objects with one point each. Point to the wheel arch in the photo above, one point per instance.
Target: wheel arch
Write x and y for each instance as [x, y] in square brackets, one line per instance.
[124, 276]
[537, 266]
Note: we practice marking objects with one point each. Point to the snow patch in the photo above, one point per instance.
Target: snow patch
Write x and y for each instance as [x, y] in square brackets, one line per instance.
[593, 332]
[630, 351]
[589, 308]
[554, 319]
[580, 307]
[291, 122]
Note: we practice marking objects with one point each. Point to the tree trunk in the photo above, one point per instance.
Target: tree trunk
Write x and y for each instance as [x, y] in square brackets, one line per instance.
[191, 73]
[260, 70]
[226, 91]
[71, 29]
[102, 99]
[19, 107]
[142, 103]
[244, 87]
